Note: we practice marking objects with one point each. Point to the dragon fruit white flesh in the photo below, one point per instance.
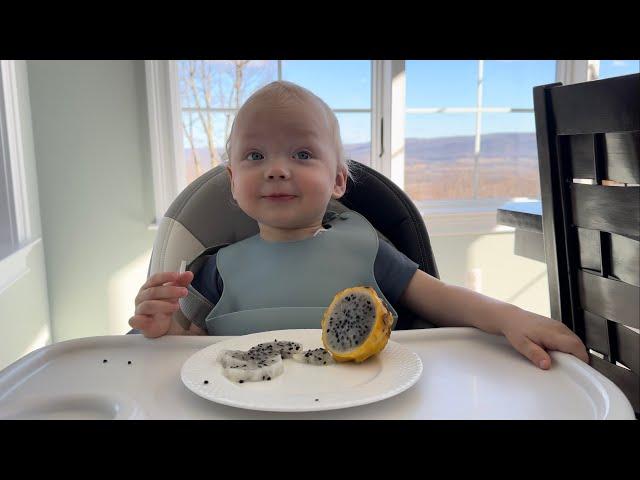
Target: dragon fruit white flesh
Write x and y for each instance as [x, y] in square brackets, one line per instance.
[317, 356]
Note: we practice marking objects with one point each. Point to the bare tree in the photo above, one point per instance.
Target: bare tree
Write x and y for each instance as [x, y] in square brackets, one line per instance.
[230, 81]
[202, 91]
[187, 128]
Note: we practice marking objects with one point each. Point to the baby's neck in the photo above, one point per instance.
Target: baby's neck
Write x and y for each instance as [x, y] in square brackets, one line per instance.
[275, 234]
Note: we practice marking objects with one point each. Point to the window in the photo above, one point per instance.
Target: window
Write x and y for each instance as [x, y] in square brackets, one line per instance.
[612, 68]
[8, 230]
[212, 91]
[457, 136]
[470, 131]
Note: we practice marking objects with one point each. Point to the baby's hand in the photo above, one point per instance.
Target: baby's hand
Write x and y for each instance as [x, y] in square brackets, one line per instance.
[533, 334]
[157, 300]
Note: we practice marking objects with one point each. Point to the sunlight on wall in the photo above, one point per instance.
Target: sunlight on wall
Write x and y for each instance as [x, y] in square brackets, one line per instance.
[123, 288]
[511, 278]
[42, 339]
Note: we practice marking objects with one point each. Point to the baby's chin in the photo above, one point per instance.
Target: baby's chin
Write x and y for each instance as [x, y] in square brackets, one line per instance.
[292, 223]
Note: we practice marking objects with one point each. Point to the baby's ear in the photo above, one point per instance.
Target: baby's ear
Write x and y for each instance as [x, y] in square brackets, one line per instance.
[340, 185]
[230, 180]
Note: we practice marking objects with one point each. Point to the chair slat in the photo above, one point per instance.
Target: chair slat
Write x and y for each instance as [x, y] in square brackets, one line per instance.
[623, 341]
[597, 106]
[609, 209]
[595, 330]
[611, 299]
[625, 259]
[628, 351]
[622, 157]
[589, 243]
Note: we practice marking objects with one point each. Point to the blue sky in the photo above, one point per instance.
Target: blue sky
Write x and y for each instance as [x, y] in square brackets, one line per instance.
[431, 83]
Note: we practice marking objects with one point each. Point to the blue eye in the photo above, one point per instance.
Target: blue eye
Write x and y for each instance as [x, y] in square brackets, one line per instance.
[254, 156]
[303, 155]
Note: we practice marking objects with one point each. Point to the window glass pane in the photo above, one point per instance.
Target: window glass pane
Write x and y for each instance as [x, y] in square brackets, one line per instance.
[355, 130]
[441, 83]
[8, 234]
[340, 83]
[440, 163]
[617, 68]
[222, 83]
[204, 137]
[508, 160]
[509, 83]
[439, 156]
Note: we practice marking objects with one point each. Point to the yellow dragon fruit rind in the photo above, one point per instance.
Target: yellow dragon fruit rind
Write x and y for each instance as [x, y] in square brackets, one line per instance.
[378, 337]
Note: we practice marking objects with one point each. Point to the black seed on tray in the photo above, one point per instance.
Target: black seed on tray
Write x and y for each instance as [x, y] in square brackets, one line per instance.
[240, 381]
[206, 382]
[129, 362]
[317, 399]
[104, 361]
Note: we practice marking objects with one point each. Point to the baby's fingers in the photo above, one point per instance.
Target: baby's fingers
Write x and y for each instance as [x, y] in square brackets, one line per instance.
[152, 307]
[166, 292]
[160, 278]
[150, 327]
[140, 322]
[568, 343]
[532, 351]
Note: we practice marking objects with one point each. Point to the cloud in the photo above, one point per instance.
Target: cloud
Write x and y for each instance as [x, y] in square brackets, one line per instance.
[619, 63]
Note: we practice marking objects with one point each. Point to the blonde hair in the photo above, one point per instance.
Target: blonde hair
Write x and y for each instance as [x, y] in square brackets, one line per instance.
[284, 93]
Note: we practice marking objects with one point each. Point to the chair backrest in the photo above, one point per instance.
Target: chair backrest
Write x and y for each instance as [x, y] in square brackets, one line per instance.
[589, 155]
[203, 216]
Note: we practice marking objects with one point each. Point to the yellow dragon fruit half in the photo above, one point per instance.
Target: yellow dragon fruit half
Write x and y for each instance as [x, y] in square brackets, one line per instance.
[356, 325]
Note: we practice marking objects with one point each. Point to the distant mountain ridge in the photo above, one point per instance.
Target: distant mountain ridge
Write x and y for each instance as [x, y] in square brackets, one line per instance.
[505, 146]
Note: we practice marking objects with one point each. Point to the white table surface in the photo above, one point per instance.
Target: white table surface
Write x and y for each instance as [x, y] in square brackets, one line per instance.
[467, 374]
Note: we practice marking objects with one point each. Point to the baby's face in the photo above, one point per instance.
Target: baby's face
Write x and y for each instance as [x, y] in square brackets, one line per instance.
[284, 165]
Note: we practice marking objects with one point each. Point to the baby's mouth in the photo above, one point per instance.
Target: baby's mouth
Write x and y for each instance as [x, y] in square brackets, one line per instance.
[279, 197]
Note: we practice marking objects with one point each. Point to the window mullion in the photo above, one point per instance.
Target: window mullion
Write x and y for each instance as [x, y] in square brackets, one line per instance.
[387, 119]
[476, 146]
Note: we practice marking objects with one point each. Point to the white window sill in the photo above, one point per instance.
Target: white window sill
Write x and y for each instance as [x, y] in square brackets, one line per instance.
[14, 267]
[462, 217]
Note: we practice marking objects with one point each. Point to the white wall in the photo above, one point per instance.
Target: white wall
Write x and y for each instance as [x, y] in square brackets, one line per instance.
[503, 275]
[94, 177]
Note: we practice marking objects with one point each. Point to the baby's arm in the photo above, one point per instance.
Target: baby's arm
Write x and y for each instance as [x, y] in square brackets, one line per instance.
[453, 306]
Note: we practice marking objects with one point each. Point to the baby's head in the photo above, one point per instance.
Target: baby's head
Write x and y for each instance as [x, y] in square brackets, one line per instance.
[285, 157]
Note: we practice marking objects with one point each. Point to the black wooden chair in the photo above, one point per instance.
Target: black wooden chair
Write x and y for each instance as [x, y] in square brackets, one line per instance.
[589, 154]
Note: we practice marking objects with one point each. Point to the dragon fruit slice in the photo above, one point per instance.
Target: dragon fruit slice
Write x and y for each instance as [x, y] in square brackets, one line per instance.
[317, 356]
[284, 348]
[238, 366]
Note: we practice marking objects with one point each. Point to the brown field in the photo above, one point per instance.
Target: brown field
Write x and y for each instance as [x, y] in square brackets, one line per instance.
[454, 180]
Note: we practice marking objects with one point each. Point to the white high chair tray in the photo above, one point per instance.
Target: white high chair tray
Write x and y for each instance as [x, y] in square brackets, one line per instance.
[467, 374]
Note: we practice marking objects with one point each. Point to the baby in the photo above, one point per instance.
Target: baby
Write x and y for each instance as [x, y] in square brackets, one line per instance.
[286, 162]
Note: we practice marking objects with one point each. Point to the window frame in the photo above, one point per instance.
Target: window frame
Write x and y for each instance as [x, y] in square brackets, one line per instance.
[388, 110]
[14, 265]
